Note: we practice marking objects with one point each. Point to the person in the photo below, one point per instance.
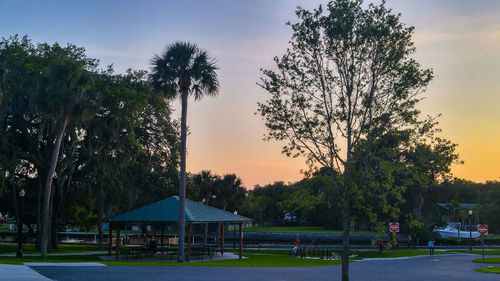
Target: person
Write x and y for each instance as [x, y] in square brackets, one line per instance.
[296, 248]
[388, 245]
[431, 247]
[380, 245]
[315, 240]
[409, 241]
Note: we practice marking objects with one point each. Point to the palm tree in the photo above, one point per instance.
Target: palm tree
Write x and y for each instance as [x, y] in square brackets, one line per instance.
[183, 69]
[205, 181]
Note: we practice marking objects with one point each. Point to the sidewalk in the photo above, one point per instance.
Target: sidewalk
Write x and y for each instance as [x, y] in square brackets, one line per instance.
[20, 272]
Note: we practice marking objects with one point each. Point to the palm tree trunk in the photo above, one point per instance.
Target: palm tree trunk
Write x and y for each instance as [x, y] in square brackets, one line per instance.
[182, 185]
[48, 189]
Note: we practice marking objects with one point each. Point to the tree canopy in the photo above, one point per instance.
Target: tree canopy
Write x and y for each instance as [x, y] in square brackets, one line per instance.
[119, 144]
[347, 79]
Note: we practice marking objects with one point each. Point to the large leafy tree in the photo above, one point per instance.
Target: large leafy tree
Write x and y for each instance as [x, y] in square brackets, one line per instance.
[263, 203]
[63, 97]
[128, 151]
[18, 72]
[348, 70]
[47, 85]
[181, 70]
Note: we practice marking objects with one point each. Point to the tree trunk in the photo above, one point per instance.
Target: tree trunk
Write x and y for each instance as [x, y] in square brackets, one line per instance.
[100, 212]
[345, 237]
[48, 190]
[182, 185]
[50, 240]
[16, 208]
[53, 232]
[38, 215]
[420, 204]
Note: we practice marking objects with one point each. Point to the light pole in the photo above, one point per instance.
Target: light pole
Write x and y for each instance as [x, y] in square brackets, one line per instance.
[470, 230]
[20, 226]
[234, 232]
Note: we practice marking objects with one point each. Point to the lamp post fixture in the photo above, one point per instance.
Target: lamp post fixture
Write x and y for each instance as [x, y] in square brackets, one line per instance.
[470, 230]
[20, 226]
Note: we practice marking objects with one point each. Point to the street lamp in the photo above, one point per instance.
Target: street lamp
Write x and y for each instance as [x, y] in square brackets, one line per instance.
[234, 231]
[470, 230]
[20, 226]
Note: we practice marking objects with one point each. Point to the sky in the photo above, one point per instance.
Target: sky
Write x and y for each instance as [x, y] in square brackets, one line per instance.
[459, 39]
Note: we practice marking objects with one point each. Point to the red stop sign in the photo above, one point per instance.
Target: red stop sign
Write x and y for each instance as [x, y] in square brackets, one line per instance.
[482, 229]
[394, 226]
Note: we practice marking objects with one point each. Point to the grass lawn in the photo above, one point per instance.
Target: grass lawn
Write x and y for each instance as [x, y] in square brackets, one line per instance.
[488, 270]
[300, 229]
[254, 258]
[63, 248]
[399, 253]
[251, 260]
[273, 258]
[487, 260]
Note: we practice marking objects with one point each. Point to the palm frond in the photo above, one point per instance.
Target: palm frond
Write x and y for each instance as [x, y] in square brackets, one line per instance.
[183, 66]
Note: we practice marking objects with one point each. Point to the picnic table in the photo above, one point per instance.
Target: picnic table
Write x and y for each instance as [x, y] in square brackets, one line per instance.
[201, 250]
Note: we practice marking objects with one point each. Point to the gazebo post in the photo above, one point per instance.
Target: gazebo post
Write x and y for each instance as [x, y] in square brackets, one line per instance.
[222, 240]
[110, 239]
[206, 233]
[117, 250]
[162, 245]
[189, 243]
[241, 243]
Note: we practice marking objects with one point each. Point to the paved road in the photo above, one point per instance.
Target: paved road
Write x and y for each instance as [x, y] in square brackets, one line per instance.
[427, 268]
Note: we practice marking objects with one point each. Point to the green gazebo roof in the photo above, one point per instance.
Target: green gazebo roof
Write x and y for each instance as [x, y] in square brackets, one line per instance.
[167, 210]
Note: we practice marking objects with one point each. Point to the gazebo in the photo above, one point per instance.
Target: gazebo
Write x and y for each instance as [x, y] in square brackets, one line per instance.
[166, 212]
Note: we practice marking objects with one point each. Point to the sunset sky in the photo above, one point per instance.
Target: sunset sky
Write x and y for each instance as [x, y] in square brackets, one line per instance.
[460, 40]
